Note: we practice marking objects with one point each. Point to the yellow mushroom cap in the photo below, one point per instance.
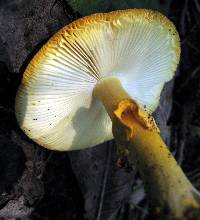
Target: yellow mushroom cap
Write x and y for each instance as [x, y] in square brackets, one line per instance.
[54, 103]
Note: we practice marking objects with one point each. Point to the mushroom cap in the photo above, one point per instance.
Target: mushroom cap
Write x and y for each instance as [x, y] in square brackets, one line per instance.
[54, 103]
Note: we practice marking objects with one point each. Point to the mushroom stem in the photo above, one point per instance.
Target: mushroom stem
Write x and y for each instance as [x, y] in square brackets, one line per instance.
[133, 129]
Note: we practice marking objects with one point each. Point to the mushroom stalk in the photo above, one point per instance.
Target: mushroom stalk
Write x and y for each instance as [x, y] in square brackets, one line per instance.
[133, 129]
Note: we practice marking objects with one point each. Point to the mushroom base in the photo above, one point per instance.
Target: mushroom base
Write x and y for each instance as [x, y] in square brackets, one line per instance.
[167, 186]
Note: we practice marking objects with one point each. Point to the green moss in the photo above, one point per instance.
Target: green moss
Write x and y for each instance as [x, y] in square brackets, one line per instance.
[86, 7]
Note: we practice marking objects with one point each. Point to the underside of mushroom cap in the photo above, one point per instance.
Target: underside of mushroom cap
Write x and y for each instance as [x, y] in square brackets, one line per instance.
[54, 103]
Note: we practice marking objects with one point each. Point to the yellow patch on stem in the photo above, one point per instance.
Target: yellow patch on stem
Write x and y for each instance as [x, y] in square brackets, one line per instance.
[128, 111]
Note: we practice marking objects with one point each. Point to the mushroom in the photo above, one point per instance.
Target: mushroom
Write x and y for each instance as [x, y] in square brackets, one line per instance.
[101, 76]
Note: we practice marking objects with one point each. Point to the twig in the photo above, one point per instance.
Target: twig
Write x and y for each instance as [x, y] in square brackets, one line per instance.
[105, 177]
[183, 129]
[197, 4]
[183, 16]
[192, 76]
[181, 151]
[185, 39]
[190, 44]
[193, 172]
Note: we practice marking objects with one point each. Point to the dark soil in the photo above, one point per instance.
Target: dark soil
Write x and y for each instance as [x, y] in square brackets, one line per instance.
[37, 184]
